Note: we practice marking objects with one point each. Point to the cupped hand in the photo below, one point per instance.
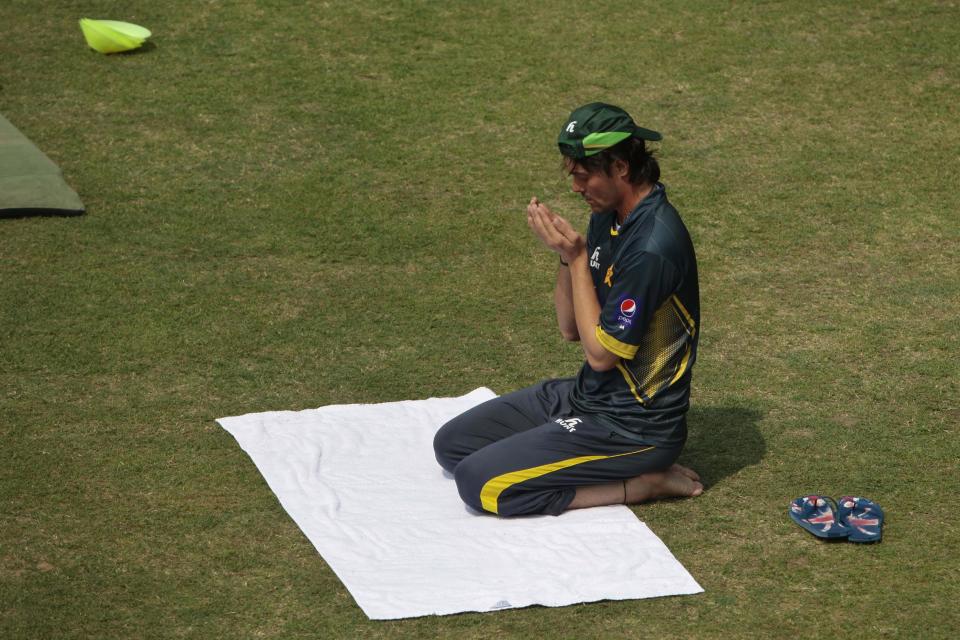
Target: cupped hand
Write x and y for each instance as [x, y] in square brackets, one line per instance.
[555, 232]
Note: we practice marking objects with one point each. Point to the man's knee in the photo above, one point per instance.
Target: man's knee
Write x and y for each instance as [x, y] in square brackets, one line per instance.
[445, 446]
[470, 478]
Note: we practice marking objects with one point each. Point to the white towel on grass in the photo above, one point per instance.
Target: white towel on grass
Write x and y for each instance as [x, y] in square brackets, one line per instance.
[362, 483]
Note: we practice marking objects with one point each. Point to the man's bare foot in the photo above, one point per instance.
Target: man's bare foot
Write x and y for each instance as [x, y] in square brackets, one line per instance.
[671, 483]
[687, 471]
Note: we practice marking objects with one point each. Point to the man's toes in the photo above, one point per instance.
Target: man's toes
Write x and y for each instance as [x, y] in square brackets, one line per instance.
[687, 471]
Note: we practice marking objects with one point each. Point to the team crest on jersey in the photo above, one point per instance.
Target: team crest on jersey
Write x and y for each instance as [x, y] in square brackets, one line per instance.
[595, 259]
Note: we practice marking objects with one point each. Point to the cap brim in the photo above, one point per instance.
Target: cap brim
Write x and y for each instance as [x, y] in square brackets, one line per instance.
[647, 134]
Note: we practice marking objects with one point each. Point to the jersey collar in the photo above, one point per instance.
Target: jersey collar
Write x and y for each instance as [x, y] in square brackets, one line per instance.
[650, 202]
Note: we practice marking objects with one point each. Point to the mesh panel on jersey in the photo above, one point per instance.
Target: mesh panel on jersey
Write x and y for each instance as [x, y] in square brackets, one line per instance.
[663, 352]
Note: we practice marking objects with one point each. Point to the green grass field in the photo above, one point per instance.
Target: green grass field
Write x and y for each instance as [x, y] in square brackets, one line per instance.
[293, 204]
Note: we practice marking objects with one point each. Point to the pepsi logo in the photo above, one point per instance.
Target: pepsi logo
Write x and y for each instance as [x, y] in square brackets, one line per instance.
[628, 307]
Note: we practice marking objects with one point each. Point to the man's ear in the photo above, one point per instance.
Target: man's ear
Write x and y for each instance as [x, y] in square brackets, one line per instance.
[621, 169]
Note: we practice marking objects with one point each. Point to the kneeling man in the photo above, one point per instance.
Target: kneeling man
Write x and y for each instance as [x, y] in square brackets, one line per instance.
[628, 292]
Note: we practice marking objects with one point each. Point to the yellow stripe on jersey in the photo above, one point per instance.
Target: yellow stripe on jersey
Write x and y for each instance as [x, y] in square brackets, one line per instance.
[490, 493]
[682, 367]
[614, 346]
[691, 325]
[629, 379]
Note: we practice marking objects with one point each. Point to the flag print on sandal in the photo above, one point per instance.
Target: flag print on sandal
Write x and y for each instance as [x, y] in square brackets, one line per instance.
[817, 515]
[862, 517]
[854, 518]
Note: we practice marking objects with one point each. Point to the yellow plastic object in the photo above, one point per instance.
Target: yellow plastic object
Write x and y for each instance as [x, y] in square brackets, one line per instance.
[113, 36]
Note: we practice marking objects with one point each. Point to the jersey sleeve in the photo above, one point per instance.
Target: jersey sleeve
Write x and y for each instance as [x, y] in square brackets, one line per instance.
[639, 287]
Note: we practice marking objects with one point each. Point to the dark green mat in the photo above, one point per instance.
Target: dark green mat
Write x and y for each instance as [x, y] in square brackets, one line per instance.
[30, 183]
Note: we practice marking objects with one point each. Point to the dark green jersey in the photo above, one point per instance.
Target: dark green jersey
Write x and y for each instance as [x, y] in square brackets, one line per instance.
[645, 275]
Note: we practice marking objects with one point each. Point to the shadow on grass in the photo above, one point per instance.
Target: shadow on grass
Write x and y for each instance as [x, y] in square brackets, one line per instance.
[146, 47]
[722, 441]
[38, 213]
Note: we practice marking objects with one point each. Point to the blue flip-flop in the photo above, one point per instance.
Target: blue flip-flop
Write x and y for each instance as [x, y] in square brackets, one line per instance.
[862, 517]
[817, 515]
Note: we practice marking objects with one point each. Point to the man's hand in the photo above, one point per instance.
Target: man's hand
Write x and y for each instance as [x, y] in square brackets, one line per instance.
[578, 310]
[555, 232]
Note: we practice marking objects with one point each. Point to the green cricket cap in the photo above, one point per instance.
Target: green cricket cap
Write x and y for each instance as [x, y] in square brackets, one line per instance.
[598, 126]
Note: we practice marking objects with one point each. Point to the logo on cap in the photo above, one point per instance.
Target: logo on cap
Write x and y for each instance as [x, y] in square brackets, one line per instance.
[571, 126]
[628, 307]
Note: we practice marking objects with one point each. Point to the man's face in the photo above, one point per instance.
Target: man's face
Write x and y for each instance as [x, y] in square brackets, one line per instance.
[600, 191]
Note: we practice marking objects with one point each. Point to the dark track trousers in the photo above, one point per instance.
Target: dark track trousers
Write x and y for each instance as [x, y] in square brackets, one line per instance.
[526, 452]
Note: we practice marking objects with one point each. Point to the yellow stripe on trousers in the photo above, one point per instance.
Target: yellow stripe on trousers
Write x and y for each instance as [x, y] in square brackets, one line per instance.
[490, 494]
